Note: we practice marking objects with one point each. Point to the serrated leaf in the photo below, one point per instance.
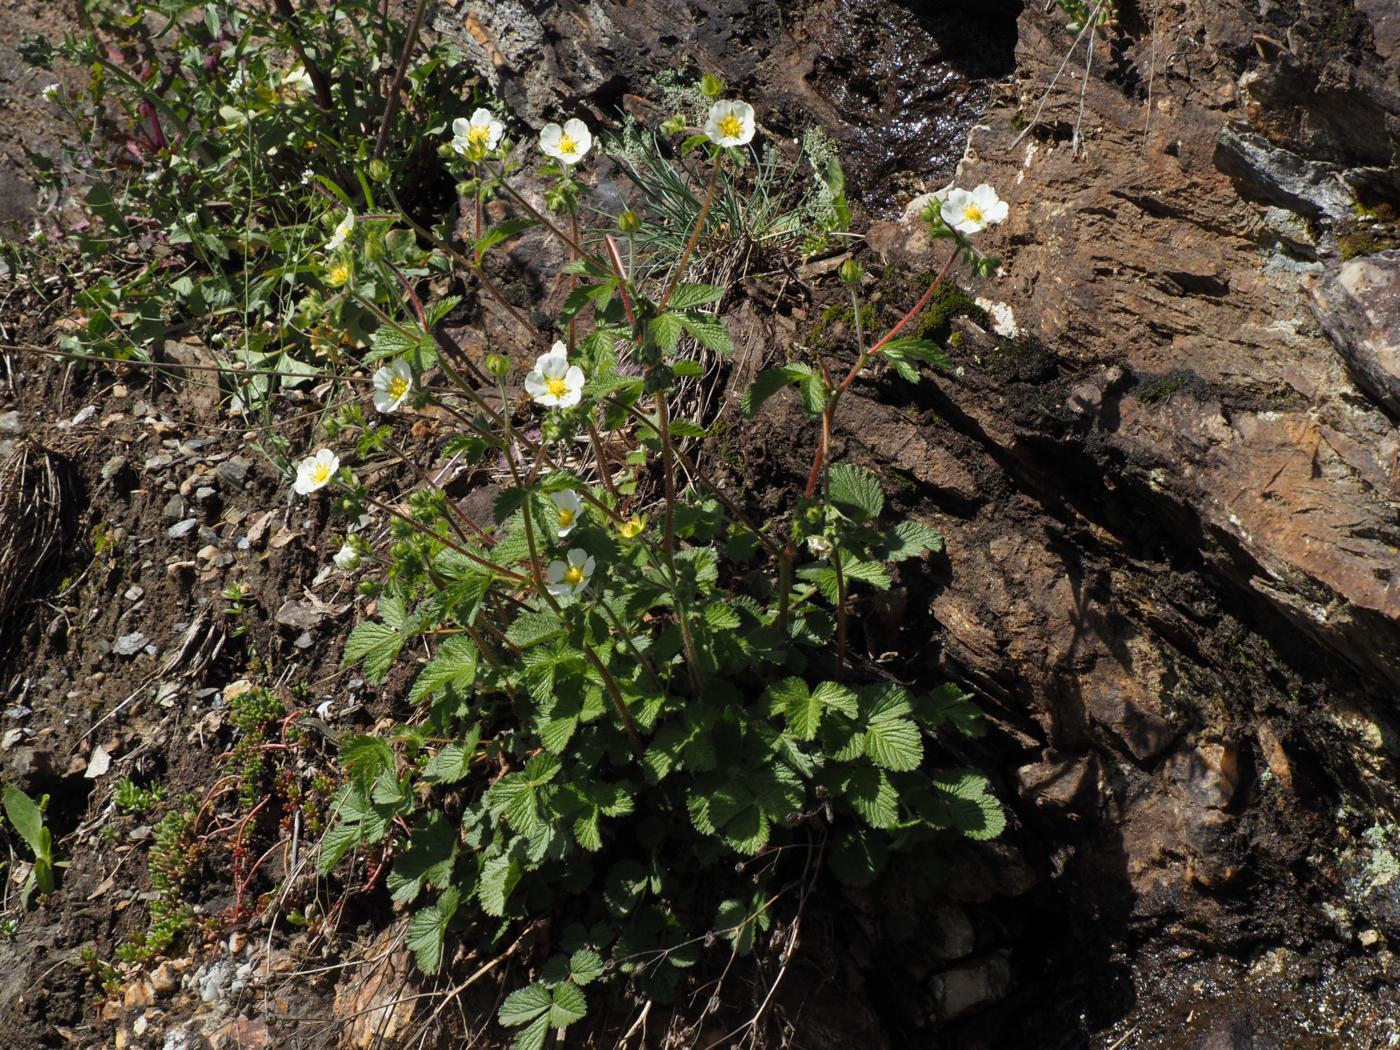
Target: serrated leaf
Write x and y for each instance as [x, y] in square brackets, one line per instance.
[501, 232]
[569, 1005]
[524, 1005]
[665, 329]
[335, 843]
[585, 966]
[909, 539]
[515, 798]
[499, 876]
[736, 924]
[949, 705]
[708, 331]
[965, 803]
[869, 792]
[532, 628]
[427, 930]
[366, 758]
[455, 665]
[894, 743]
[688, 296]
[453, 762]
[856, 492]
[378, 645]
[427, 861]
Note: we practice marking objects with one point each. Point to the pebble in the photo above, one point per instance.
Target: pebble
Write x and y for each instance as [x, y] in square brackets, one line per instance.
[113, 466]
[234, 470]
[134, 592]
[174, 509]
[160, 461]
[10, 423]
[183, 528]
[129, 644]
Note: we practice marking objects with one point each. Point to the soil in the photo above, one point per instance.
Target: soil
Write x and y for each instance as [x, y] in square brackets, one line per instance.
[1128, 907]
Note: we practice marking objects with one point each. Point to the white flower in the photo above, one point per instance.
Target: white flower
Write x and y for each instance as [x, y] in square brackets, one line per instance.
[315, 472]
[53, 92]
[971, 211]
[568, 143]
[392, 385]
[478, 136]
[565, 579]
[568, 503]
[554, 382]
[342, 231]
[730, 123]
[346, 558]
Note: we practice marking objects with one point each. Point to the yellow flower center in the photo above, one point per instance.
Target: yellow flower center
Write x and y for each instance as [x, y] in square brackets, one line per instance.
[973, 213]
[566, 517]
[556, 386]
[339, 274]
[479, 135]
[321, 473]
[731, 127]
[398, 386]
[632, 527]
[567, 145]
[573, 576]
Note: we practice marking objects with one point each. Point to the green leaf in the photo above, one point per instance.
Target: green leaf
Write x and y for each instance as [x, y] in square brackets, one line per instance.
[737, 925]
[499, 233]
[366, 758]
[585, 966]
[335, 843]
[909, 539]
[532, 628]
[428, 929]
[918, 349]
[771, 380]
[524, 1005]
[427, 861]
[665, 330]
[708, 331]
[377, 645]
[870, 793]
[894, 743]
[25, 817]
[949, 705]
[499, 876]
[453, 762]
[965, 803]
[688, 296]
[569, 1005]
[532, 1038]
[856, 492]
[802, 710]
[454, 666]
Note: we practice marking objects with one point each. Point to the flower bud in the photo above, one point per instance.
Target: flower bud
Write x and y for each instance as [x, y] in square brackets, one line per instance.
[851, 272]
[378, 170]
[673, 125]
[629, 222]
[497, 365]
[711, 86]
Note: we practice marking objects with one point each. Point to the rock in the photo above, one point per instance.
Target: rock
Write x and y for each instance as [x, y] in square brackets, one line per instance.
[182, 529]
[114, 466]
[955, 938]
[300, 616]
[164, 979]
[1268, 174]
[1060, 786]
[129, 644]
[234, 470]
[174, 508]
[964, 989]
[1358, 307]
[10, 423]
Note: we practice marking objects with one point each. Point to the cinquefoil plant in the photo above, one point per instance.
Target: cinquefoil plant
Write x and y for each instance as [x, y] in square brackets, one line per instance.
[632, 727]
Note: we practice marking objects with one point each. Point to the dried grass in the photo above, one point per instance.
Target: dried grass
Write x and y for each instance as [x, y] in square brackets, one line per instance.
[36, 521]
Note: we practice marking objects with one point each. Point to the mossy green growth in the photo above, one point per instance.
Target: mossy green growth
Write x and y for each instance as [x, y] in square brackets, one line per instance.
[834, 329]
[1364, 242]
[949, 302]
